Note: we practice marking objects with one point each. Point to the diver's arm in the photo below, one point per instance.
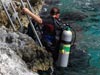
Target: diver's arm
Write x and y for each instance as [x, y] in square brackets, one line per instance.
[35, 17]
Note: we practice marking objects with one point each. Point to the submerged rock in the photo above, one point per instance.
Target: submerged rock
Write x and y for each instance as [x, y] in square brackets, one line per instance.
[77, 16]
[52, 2]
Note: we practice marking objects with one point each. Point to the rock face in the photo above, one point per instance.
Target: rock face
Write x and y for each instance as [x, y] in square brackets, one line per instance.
[21, 45]
[11, 63]
[36, 4]
[35, 57]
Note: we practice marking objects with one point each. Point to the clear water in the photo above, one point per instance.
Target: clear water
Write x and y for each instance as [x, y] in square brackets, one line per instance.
[90, 40]
[89, 36]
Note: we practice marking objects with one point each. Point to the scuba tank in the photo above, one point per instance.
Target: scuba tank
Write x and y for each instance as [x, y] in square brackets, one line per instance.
[64, 51]
[67, 39]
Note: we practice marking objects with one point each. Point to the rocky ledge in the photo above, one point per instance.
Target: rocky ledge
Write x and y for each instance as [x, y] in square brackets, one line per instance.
[19, 52]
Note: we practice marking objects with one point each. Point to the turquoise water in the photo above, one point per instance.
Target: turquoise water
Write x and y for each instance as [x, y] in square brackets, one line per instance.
[89, 36]
[85, 60]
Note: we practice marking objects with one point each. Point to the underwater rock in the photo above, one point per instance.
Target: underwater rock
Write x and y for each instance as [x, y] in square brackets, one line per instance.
[77, 16]
[35, 57]
[52, 2]
[94, 20]
[78, 58]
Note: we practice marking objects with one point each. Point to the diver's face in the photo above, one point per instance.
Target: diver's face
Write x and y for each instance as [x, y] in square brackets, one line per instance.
[57, 15]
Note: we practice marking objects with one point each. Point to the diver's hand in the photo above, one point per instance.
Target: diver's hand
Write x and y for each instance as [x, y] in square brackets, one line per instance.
[26, 11]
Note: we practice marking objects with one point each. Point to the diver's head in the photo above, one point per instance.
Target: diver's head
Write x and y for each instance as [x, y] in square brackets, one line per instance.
[55, 12]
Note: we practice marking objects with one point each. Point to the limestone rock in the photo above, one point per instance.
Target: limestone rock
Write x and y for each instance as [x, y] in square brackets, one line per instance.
[36, 5]
[35, 57]
[12, 64]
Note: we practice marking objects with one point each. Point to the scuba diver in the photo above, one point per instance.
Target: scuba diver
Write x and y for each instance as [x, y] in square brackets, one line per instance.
[52, 29]
[48, 28]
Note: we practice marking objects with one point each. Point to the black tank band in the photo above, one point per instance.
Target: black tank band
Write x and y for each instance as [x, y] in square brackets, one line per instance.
[65, 42]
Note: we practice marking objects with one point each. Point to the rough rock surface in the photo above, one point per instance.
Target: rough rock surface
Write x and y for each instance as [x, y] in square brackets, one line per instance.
[36, 4]
[11, 63]
[35, 57]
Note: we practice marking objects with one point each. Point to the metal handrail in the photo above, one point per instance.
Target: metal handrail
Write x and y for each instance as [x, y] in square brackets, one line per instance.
[30, 6]
[21, 26]
[32, 26]
[6, 11]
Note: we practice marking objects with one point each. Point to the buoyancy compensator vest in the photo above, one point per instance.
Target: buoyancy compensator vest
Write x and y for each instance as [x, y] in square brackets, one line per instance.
[49, 33]
[56, 33]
